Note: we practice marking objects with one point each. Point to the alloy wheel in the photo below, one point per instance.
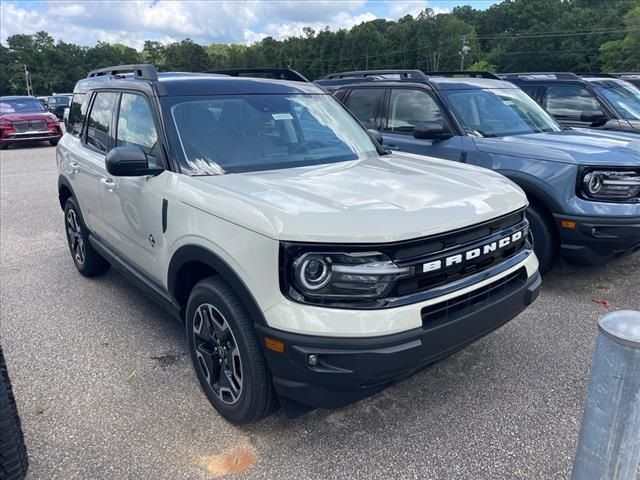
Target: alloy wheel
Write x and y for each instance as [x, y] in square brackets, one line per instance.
[74, 232]
[217, 353]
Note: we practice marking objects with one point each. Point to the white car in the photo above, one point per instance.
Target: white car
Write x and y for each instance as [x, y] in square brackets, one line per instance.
[311, 267]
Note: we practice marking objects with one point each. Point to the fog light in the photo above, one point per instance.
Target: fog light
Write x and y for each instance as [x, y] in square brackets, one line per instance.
[312, 360]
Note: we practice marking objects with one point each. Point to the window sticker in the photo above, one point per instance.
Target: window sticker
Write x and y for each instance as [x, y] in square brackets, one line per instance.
[282, 116]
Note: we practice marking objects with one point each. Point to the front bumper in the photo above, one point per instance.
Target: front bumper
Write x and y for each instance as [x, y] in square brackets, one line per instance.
[48, 135]
[349, 369]
[596, 240]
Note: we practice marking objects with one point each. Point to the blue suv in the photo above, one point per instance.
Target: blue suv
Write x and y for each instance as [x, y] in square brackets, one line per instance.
[583, 186]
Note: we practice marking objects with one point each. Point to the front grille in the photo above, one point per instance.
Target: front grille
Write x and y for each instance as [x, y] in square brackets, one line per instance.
[440, 248]
[26, 126]
[459, 306]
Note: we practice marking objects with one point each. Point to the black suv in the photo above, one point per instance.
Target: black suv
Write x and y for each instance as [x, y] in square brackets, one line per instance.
[590, 101]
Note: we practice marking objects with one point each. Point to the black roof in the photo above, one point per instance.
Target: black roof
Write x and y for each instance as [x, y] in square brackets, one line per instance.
[146, 78]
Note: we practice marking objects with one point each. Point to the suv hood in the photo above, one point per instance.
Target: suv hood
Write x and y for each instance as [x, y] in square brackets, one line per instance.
[14, 117]
[569, 146]
[385, 199]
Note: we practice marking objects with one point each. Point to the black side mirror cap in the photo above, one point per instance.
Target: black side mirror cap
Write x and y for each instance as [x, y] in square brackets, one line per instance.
[129, 162]
[593, 116]
[432, 131]
[377, 136]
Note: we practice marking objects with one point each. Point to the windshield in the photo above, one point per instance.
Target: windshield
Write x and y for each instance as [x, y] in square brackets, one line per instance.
[497, 112]
[623, 97]
[243, 133]
[61, 100]
[20, 105]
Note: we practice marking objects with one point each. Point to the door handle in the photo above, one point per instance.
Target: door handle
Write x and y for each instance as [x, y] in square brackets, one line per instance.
[109, 184]
[75, 166]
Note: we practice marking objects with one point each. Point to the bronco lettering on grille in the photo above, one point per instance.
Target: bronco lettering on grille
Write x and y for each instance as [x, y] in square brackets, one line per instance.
[473, 253]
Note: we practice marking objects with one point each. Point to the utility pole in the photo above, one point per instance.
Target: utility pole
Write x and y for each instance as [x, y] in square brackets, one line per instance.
[367, 64]
[464, 51]
[27, 80]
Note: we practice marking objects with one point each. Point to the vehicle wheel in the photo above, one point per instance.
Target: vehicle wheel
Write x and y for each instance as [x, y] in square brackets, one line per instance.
[226, 353]
[13, 453]
[4, 146]
[545, 242]
[88, 262]
[53, 143]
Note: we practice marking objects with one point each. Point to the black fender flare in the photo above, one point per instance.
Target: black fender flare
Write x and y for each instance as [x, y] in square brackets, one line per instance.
[64, 182]
[534, 186]
[196, 253]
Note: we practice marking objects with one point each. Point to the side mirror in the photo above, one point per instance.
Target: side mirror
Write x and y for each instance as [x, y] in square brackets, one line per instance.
[129, 162]
[377, 136]
[432, 131]
[593, 116]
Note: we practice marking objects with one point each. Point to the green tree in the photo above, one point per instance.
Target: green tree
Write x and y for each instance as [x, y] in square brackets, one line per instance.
[186, 56]
[624, 55]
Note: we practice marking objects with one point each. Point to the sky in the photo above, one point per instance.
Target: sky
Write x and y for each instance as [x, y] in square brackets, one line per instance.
[131, 22]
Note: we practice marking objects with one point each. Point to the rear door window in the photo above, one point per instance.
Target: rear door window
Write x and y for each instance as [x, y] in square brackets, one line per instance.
[364, 103]
[99, 123]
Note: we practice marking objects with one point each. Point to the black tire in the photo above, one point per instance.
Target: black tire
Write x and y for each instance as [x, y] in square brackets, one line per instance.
[4, 146]
[13, 453]
[545, 240]
[88, 262]
[53, 143]
[239, 388]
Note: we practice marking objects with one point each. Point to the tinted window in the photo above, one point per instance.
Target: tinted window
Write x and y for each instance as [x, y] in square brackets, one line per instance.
[363, 103]
[100, 120]
[568, 102]
[136, 127]
[243, 133]
[407, 108]
[78, 113]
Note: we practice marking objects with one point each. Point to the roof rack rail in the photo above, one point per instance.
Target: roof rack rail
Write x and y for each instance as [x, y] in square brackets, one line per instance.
[464, 73]
[596, 74]
[625, 74]
[524, 75]
[142, 71]
[403, 74]
[275, 73]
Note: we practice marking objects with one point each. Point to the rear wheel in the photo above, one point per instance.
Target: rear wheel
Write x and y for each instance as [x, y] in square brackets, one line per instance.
[88, 262]
[226, 353]
[13, 453]
[53, 143]
[545, 241]
[4, 146]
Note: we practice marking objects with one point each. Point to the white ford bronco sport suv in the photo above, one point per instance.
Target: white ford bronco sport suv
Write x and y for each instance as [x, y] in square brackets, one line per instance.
[310, 267]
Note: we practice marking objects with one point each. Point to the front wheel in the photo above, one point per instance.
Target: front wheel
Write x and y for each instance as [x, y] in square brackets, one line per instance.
[545, 243]
[226, 353]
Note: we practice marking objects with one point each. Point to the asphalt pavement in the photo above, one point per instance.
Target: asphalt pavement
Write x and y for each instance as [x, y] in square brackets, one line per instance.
[106, 389]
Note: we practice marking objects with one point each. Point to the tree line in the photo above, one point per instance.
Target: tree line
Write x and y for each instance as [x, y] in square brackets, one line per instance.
[514, 35]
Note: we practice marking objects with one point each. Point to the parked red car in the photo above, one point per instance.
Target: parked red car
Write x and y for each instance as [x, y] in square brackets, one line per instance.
[24, 119]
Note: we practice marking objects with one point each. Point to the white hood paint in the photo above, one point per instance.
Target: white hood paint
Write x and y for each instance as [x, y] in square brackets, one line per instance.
[386, 199]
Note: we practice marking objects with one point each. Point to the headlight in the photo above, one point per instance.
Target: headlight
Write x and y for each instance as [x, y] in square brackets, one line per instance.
[338, 275]
[612, 185]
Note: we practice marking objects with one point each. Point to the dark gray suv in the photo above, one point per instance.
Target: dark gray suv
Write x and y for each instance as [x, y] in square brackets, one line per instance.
[583, 186]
